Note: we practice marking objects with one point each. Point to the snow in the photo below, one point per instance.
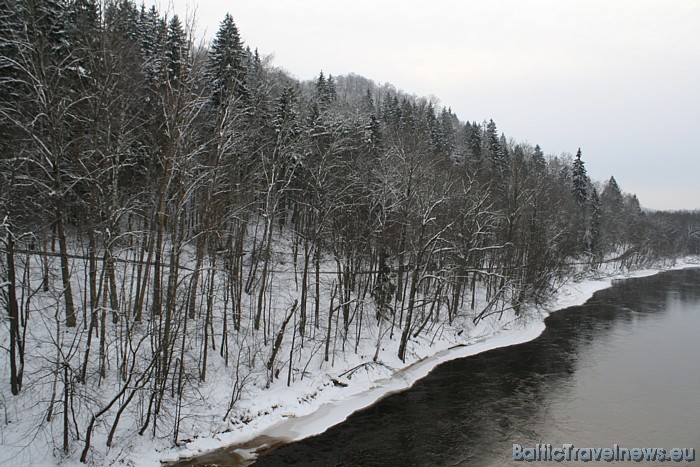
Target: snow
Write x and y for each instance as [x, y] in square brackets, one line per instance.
[316, 400]
[332, 405]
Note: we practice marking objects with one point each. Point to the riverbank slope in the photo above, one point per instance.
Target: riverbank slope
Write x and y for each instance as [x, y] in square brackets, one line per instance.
[293, 413]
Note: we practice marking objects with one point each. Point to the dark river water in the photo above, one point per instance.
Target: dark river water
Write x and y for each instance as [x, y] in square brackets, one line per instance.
[623, 368]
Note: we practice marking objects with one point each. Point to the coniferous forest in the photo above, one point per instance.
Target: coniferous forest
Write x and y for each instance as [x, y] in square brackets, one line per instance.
[172, 213]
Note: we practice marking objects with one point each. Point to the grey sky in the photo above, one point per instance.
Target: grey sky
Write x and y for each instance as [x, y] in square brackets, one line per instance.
[618, 78]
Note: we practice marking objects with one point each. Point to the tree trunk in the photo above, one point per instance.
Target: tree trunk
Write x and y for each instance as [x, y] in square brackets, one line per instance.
[13, 311]
[65, 267]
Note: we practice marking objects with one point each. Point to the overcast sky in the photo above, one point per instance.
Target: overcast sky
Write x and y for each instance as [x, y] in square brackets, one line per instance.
[618, 78]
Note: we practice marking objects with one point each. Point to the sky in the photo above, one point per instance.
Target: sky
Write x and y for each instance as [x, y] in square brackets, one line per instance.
[618, 78]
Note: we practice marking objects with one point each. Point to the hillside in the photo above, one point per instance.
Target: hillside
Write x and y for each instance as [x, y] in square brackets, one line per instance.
[186, 233]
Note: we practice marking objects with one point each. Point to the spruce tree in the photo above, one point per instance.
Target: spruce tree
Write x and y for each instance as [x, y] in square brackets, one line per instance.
[391, 113]
[11, 85]
[152, 31]
[320, 86]
[538, 162]
[611, 205]
[123, 18]
[368, 102]
[580, 180]
[81, 21]
[325, 91]
[612, 195]
[495, 147]
[176, 50]
[373, 135]
[331, 93]
[434, 130]
[226, 69]
[448, 124]
[580, 193]
[473, 140]
[596, 218]
[285, 121]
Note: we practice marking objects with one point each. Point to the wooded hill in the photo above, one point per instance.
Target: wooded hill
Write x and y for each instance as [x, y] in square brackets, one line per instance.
[157, 199]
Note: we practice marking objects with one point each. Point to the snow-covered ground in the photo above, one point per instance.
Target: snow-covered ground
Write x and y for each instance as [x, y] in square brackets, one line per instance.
[312, 406]
[316, 399]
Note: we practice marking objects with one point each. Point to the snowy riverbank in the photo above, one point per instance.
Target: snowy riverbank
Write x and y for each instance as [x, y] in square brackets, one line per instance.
[319, 395]
[313, 405]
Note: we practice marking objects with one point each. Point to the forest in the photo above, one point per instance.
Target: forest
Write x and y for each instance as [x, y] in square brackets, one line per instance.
[170, 211]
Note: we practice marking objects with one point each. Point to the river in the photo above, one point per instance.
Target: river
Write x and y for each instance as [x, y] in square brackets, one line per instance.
[622, 369]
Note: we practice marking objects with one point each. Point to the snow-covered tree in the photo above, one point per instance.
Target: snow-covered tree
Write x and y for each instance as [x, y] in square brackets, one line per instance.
[538, 162]
[226, 68]
[580, 180]
[176, 50]
[611, 216]
[493, 147]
